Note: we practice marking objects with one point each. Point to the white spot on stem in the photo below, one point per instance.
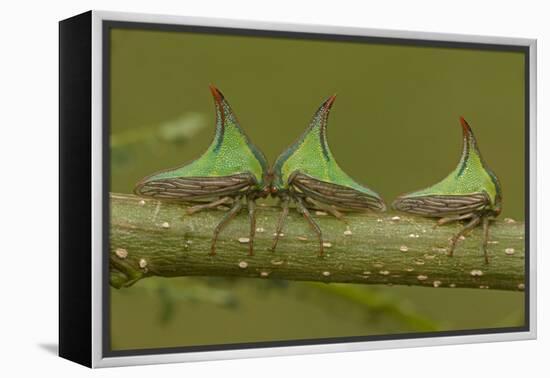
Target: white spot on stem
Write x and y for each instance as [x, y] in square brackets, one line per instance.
[476, 273]
[121, 253]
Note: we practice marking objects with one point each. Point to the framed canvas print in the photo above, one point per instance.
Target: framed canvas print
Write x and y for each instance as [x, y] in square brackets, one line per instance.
[233, 189]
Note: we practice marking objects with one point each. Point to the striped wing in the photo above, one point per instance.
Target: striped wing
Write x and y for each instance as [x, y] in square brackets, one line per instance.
[342, 197]
[196, 189]
[442, 205]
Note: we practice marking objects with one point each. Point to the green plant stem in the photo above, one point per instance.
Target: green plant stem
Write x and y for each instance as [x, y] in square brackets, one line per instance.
[153, 238]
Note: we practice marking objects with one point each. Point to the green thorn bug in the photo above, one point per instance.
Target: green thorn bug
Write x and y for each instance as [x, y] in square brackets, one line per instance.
[471, 192]
[308, 175]
[231, 170]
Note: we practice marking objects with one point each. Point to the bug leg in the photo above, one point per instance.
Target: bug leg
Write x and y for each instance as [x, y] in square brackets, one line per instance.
[210, 205]
[252, 217]
[335, 213]
[302, 209]
[446, 220]
[281, 222]
[225, 220]
[485, 238]
[469, 226]
[157, 209]
[329, 209]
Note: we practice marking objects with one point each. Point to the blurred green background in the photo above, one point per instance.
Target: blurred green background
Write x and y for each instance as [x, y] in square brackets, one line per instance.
[394, 127]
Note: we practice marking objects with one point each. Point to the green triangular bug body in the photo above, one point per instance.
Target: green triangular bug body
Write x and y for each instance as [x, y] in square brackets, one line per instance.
[308, 174]
[471, 191]
[310, 155]
[471, 178]
[231, 169]
[231, 153]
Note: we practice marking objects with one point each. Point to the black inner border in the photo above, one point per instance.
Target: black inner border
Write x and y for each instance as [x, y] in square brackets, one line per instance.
[108, 25]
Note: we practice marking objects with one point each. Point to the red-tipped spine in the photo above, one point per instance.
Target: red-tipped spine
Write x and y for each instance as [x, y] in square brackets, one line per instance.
[218, 98]
[465, 127]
